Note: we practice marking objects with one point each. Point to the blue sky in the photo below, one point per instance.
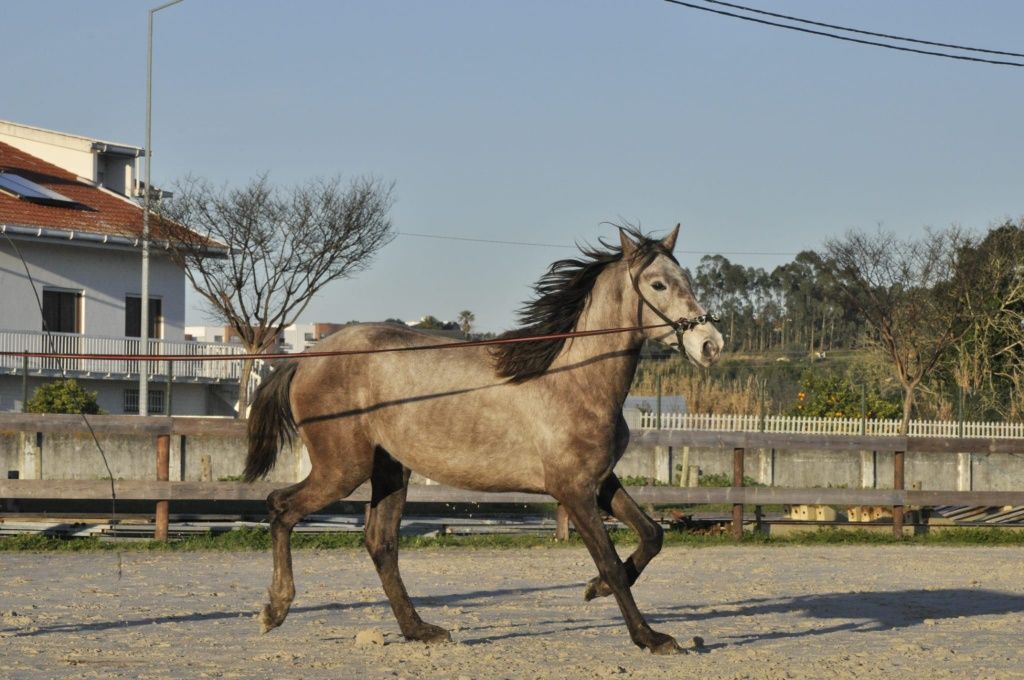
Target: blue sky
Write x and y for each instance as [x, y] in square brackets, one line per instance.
[539, 120]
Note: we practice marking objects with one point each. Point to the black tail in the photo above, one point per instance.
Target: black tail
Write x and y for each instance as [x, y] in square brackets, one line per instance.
[270, 421]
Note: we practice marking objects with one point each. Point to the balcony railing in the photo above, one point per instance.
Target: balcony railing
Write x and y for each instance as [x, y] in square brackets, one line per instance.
[72, 343]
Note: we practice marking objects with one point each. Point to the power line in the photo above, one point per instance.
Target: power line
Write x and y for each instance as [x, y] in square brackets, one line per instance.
[559, 245]
[859, 41]
[486, 240]
[861, 32]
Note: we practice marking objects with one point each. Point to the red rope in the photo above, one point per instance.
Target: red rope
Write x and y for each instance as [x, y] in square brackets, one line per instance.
[334, 353]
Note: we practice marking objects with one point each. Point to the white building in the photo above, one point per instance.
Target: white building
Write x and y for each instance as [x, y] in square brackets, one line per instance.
[68, 215]
[295, 338]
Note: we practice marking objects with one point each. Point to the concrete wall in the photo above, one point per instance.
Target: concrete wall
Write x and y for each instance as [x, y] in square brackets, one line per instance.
[199, 457]
[105, 275]
[76, 456]
[75, 154]
[71, 152]
[849, 469]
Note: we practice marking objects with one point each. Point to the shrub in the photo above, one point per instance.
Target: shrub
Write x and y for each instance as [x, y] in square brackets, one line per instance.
[718, 479]
[63, 396]
[828, 395]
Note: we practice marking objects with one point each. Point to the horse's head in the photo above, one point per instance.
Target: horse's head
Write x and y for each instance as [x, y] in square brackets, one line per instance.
[664, 292]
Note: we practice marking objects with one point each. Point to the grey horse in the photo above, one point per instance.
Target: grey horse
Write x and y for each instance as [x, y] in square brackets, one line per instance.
[532, 416]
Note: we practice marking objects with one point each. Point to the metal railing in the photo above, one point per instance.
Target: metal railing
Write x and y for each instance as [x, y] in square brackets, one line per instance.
[73, 343]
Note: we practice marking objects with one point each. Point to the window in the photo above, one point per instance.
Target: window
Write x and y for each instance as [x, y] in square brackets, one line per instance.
[156, 401]
[62, 311]
[133, 317]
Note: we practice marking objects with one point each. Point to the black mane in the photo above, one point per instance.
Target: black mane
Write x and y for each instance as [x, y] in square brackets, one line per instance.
[561, 295]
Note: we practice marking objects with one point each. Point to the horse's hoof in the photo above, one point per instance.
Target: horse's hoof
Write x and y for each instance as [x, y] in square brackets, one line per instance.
[596, 588]
[269, 620]
[665, 644]
[430, 634]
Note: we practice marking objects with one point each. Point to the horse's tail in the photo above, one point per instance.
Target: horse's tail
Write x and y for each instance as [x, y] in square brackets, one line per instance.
[271, 423]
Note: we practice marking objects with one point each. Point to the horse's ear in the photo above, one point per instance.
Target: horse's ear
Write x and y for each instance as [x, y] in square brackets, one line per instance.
[628, 247]
[669, 242]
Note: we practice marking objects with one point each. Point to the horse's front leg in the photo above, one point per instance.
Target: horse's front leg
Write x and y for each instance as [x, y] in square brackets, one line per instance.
[612, 498]
[582, 507]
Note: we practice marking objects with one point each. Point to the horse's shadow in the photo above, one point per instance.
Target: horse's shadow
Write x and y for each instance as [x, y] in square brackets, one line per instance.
[864, 612]
[463, 600]
[870, 611]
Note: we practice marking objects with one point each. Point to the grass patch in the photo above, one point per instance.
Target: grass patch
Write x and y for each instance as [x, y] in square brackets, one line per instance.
[255, 539]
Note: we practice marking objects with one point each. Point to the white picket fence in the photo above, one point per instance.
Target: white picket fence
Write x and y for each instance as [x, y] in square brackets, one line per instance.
[806, 425]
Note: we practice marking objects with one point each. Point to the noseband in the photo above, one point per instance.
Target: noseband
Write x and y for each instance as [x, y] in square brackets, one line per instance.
[680, 325]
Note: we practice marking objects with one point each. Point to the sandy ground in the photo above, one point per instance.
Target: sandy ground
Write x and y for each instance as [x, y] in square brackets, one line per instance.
[779, 612]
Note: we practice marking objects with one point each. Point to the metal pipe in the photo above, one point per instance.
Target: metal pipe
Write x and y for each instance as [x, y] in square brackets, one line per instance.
[24, 385]
[146, 207]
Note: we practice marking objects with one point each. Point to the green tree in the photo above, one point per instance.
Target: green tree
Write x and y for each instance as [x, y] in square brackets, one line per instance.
[430, 323]
[465, 320]
[63, 396]
[988, 361]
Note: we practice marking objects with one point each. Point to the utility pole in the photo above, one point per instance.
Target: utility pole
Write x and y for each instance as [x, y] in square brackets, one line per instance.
[146, 208]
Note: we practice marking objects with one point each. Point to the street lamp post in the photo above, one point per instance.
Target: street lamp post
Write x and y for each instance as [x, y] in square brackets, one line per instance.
[146, 203]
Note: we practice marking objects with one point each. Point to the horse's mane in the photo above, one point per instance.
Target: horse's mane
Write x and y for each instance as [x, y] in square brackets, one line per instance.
[561, 295]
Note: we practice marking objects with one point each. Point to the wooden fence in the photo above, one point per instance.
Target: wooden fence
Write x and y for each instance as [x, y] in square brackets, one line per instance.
[809, 425]
[162, 491]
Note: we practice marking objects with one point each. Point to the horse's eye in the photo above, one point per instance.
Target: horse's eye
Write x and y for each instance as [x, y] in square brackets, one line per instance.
[658, 285]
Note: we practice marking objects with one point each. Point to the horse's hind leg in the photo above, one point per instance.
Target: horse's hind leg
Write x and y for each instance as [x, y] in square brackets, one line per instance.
[390, 483]
[324, 485]
[614, 499]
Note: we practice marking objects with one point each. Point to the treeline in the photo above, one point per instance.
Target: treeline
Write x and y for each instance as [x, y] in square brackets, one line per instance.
[937, 318]
[792, 308]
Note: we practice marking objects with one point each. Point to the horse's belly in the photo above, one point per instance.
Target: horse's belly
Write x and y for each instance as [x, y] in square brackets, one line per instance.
[475, 468]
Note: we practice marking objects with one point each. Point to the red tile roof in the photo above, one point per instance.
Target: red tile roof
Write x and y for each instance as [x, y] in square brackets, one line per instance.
[103, 212]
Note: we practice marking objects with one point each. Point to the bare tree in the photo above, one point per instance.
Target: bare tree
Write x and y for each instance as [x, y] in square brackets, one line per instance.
[283, 247]
[907, 292]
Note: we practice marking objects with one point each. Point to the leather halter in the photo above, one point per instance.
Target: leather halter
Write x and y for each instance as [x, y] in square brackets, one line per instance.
[680, 325]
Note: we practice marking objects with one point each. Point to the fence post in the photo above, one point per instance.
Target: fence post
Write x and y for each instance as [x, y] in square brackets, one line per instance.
[737, 483]
[897, 484]
[163, 458]
[561, 523]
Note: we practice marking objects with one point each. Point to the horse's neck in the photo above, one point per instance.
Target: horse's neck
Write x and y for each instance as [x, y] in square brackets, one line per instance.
[604, 364]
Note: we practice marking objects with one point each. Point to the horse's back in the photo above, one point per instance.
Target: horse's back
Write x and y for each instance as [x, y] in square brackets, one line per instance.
[442, 412]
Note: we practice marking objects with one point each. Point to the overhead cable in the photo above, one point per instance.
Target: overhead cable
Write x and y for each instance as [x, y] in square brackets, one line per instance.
[859, 41]
[443, 237]
[862, 32]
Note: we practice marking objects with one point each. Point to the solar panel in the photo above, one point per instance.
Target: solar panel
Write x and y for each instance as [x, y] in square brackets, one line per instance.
[29, 190]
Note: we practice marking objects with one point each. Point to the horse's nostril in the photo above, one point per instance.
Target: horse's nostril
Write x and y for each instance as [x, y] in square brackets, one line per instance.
[709, 350]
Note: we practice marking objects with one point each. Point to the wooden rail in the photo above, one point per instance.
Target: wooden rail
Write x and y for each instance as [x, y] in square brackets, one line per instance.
[162, 491]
